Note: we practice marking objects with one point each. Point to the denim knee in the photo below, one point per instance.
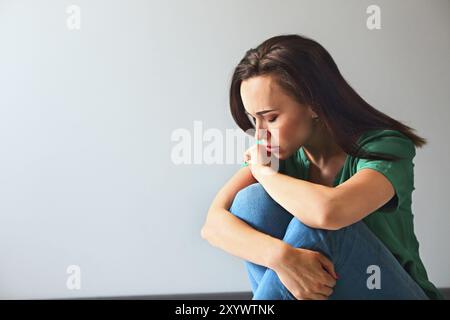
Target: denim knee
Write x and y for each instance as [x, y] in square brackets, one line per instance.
[247, 200]
[253, 205]
[303, 236]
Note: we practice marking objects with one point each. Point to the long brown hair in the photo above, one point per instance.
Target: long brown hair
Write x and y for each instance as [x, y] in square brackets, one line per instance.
[306, 71]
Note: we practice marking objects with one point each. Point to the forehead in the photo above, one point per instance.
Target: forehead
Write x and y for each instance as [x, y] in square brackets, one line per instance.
[259, 89]
[261, 92]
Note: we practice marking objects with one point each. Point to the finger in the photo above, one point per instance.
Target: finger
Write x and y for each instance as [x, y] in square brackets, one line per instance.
[317, 296]
[324, 290]
[253, 155]
[328, 265]
[258, 146]
[328, 280]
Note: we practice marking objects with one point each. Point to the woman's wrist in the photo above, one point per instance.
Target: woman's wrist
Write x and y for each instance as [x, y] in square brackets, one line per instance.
[280, 250]
[260, 171]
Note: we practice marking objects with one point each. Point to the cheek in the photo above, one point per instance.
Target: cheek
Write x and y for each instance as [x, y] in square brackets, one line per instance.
[292, 136]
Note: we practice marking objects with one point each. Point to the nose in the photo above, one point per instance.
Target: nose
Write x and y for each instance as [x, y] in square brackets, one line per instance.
[264, 134]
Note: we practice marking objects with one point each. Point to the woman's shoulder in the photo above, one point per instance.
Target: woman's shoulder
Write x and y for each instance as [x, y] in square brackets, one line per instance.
[387, 141]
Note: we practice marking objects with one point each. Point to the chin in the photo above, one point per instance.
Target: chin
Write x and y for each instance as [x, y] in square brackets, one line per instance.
[279, 155]
[283, 155]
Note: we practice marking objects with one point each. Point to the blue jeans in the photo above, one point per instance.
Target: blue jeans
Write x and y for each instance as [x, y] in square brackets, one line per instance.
[357, 254]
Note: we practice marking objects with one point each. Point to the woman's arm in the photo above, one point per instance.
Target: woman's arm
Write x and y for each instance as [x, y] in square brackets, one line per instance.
[330, 208]
[226, 231]
[305, 200]
[306, 274]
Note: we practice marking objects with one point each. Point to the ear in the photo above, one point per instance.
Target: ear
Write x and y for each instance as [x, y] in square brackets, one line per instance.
[311, 112]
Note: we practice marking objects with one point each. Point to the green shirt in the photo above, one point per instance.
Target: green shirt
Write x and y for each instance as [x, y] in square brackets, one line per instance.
[393, 222]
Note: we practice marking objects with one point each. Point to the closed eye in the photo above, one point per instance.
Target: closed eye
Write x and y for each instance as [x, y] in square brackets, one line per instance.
[273, 119]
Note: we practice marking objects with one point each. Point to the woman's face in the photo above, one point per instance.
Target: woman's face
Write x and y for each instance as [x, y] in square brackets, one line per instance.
[287, 123]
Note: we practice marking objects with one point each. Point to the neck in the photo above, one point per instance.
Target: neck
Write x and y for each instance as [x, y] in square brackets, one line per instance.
[321, 148]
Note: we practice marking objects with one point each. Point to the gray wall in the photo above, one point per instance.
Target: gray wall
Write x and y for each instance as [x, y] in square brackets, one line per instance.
[87, 117]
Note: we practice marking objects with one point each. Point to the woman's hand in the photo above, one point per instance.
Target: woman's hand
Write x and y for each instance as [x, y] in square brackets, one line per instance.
[259, 159]
[308, 275]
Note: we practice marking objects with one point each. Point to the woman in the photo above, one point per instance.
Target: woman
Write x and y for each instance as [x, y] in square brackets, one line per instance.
[334, 221]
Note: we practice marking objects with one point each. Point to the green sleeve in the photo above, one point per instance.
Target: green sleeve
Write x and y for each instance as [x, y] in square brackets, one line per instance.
[399, 172]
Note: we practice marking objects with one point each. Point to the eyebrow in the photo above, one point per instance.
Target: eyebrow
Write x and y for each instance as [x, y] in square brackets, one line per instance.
[260, 112]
